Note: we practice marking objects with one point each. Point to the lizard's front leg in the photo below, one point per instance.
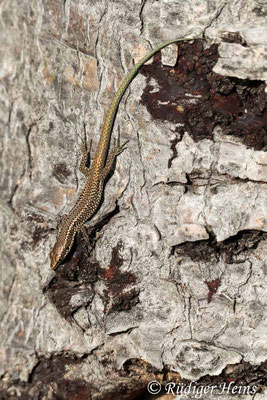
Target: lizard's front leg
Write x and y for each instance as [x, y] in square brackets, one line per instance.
[85, 156]
[111, 158]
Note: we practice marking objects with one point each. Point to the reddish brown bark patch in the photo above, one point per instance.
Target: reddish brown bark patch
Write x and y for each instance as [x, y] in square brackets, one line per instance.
[243, 374]
[77, 274]
[75, 277]
[51, 371]
[48, 376]
[249, 378]
[120, 294]
[213, 286]
[234, 37]
[211, 251]
[192, 95]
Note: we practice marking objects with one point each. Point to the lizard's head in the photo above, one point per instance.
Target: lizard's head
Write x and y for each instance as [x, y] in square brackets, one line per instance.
[56, 255]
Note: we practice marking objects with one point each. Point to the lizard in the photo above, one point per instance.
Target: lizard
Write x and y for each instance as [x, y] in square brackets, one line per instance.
[91, 195]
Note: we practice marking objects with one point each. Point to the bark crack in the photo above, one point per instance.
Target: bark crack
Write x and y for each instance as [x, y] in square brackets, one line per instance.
[14, 191]
[214, 18]
[189, 316]
[141, 161]
[143, 3]
[97, 56]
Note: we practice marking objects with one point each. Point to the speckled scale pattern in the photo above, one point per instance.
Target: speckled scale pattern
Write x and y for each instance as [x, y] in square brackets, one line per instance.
[90, 197]
[84, 209]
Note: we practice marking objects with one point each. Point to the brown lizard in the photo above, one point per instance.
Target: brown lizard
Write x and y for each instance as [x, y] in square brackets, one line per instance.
[90, 197]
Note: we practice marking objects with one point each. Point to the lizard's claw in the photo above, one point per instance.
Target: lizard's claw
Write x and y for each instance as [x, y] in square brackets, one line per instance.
[118, 148]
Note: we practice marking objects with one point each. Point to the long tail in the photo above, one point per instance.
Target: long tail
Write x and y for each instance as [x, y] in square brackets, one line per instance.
[104, 140]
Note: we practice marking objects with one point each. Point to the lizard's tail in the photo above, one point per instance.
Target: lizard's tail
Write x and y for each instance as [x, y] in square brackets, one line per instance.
[103, 144]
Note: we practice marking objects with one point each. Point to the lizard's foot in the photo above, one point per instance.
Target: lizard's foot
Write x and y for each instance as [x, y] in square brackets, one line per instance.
[111, 157]
[118, 148]
[86, 239]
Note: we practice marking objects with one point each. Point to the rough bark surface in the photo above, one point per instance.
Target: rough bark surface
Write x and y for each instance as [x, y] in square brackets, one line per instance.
[174, 289]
